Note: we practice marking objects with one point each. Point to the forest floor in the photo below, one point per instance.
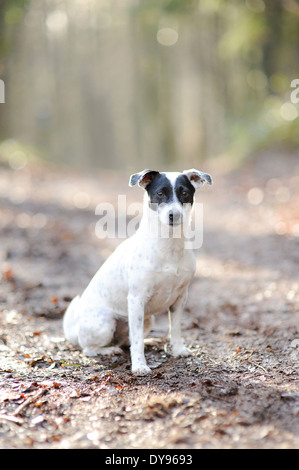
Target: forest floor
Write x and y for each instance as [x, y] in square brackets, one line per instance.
[240, 387]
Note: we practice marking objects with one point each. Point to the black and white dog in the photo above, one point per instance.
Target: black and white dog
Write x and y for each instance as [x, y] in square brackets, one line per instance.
[147, 274]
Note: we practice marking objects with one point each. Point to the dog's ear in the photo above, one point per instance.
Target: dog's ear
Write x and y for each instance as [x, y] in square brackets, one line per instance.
[143, 178]
[197, 178]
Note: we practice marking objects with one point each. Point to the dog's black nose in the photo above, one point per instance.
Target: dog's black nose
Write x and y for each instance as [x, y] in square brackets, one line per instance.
[170, 216]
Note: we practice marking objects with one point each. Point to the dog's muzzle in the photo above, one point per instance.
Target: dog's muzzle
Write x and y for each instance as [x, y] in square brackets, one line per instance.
[174, 218]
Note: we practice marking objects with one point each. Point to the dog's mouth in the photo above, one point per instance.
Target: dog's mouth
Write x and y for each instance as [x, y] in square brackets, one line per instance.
[174, 223]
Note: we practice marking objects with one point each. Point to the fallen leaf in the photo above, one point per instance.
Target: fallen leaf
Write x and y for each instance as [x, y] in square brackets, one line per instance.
[7, 274]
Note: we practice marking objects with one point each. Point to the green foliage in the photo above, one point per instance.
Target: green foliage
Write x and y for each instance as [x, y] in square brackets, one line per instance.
[245, 34]
[168, 6]
[11, 14]
[260, 39]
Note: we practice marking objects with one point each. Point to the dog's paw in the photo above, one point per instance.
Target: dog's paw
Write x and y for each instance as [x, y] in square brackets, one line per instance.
[141, 369]
[180, 351]
[109, 351]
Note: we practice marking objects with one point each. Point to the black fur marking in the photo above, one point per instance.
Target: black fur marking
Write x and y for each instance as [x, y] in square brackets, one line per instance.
[184, 190]
[160, 190]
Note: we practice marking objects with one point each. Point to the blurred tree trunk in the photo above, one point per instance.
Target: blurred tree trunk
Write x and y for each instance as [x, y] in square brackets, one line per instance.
[11, 16]
[274, 20]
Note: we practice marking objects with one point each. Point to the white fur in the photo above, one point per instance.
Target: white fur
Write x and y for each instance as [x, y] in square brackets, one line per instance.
[145, 275]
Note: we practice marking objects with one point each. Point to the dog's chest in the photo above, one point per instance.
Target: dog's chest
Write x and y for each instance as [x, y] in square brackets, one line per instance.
[168, 282]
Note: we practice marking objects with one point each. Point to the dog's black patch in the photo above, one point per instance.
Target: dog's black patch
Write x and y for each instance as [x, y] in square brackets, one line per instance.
[184, 190]
[160, 190]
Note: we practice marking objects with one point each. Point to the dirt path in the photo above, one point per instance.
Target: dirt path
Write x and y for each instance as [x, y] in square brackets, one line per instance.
[240, 387]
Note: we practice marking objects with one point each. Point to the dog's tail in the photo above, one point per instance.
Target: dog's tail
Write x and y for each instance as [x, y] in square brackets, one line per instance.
[70, 321]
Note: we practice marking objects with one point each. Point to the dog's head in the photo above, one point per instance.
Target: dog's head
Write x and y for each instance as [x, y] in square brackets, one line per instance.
[171, 193]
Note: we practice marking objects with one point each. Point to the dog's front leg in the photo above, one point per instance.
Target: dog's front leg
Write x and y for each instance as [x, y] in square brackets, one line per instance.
[175, 315]
[136, 323]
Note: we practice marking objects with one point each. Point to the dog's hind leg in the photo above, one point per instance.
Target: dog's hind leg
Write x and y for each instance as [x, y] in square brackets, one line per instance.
[96, 332]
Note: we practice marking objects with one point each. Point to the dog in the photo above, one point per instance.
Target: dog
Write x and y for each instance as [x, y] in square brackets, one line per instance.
[148, 273]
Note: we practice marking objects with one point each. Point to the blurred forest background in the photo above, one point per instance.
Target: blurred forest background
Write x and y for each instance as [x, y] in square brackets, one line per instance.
[122, 84]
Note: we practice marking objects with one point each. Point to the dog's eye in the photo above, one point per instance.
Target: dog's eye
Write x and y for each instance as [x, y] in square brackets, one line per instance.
[185, 193]
[160, 193]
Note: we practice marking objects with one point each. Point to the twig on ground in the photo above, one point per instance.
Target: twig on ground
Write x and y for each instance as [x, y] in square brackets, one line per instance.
[29, 401]
[12, 419]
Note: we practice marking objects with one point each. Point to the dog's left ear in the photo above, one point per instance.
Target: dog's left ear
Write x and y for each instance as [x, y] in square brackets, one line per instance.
[197, 178]
[143, 178]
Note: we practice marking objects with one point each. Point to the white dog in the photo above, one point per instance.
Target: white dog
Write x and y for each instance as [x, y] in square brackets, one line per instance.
[147, 274]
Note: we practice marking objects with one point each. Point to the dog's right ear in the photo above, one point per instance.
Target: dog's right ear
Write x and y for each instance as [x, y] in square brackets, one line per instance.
[143, 178]
[197, 178]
